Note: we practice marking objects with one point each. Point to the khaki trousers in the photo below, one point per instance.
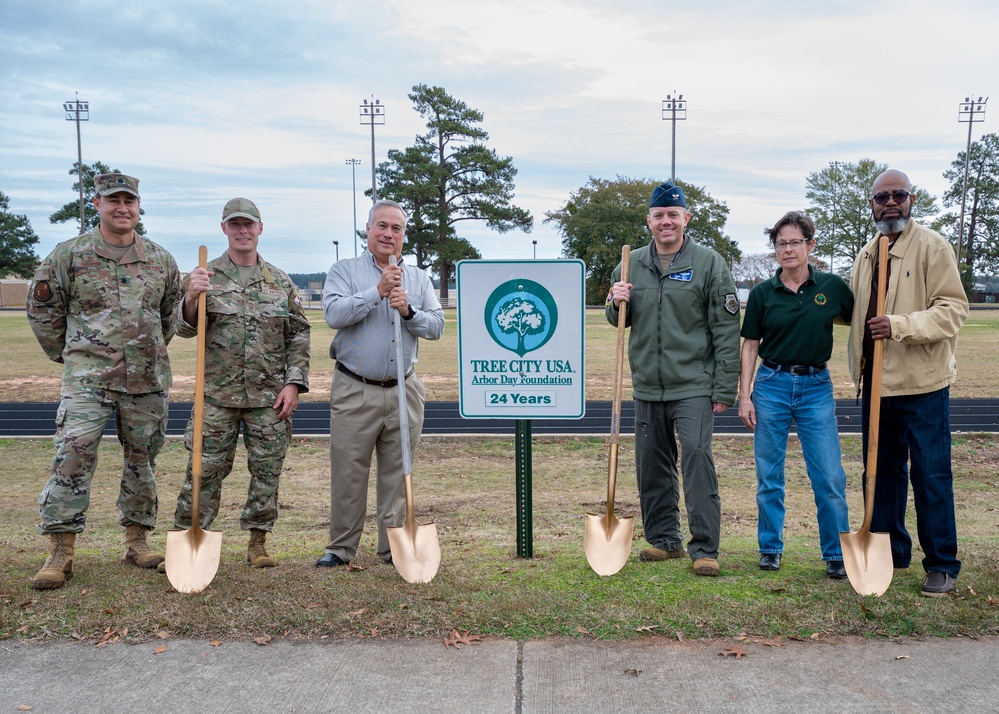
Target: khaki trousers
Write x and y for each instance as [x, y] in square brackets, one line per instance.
[364, 419]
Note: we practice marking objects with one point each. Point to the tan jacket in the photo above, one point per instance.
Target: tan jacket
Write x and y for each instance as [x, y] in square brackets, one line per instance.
[926, 306]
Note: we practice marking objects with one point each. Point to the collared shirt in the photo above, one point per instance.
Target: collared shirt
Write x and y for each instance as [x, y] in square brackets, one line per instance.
[256, 335]
[796, 327]
[107, 319]
[365, 339]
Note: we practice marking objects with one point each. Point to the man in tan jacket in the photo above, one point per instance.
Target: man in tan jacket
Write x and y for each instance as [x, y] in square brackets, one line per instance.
[924, 311]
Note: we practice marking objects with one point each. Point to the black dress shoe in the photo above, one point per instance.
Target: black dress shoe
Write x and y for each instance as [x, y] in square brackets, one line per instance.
[329, 561]
[770, 561]
[835, 570]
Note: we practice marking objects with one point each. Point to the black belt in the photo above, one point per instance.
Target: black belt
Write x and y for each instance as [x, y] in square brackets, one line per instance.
[799, 369]
[386, 383]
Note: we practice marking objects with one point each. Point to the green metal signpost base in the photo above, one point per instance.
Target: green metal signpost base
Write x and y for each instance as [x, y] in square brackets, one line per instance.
[525, 533]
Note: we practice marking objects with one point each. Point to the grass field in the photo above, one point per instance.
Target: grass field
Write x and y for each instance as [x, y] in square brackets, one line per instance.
[28, 376]
[467, 487]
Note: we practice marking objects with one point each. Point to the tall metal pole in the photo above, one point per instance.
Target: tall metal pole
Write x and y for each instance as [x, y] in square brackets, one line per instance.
[79, 111]
[372, 113]
[535, 249]
[834, 165]
[353, 192]
[336, 245]
[671, 106]
[968, 108]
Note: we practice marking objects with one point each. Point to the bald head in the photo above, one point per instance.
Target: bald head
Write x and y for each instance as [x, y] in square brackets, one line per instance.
[891, 202]
[893, 176]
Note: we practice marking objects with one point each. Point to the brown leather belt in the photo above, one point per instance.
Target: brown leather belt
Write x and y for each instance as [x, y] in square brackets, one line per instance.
[385, 383]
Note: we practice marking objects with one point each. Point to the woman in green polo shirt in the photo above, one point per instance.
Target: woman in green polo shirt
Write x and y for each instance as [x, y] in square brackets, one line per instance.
[788, 325]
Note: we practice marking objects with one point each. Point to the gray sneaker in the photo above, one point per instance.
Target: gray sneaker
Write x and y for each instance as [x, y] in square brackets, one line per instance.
[938, 584]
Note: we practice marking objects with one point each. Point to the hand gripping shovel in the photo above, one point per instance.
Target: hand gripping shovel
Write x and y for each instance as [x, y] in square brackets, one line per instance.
[192, 556]
[416, 551]
[866, 555]
[607, 541]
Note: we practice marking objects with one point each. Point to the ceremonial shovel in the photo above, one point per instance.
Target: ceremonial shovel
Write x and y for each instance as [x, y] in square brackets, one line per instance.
[192, 556]
[607, 541]
[866, 555]
[416, 550]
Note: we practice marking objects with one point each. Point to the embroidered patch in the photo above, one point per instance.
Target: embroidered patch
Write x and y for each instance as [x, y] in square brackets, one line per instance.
[686, 276]
[731, 303]
[610, 299]
[821, 299]
[42, 291]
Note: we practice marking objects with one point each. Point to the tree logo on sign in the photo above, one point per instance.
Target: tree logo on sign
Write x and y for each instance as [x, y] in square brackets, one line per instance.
[521, 316]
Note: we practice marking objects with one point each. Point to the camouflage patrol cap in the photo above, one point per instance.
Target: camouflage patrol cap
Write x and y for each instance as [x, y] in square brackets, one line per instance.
[240, 208]
[106, 184]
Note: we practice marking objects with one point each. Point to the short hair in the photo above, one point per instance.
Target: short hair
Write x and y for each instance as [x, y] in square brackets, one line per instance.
[792, 218]
[382, 203]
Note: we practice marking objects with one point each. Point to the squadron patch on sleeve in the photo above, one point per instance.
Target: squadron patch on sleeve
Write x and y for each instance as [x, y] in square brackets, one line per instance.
[42, 291]
[731, 303]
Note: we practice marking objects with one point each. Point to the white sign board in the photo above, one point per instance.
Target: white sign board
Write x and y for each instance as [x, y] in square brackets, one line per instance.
[521, 335]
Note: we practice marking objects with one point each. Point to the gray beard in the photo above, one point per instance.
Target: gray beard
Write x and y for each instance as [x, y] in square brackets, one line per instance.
[892, 226]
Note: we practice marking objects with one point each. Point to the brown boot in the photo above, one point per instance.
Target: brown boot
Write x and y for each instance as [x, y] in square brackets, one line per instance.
[255, 553]
[137, 552]
[58, 566]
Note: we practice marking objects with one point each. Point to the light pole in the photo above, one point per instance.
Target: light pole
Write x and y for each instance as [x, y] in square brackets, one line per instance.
[834, 165]
[353, 192]
[535, 249]
[967, 112]
[336, 245]
[372, 113]
[79, 111]
[674, 110]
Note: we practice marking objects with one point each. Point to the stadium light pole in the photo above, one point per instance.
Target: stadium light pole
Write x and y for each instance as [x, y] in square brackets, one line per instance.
[336, 246]
[834, 165]
[372, 113]
[353, 192]
[967, 112]
[674, 110]
[535, 249]
[79, 111]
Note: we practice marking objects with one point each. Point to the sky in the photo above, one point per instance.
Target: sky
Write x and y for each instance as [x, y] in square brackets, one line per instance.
[207, 100]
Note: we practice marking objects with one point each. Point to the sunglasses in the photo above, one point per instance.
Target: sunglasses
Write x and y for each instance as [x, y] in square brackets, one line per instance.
[898, 196]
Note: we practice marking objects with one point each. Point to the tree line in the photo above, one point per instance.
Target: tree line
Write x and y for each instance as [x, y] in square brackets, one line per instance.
[449, 178]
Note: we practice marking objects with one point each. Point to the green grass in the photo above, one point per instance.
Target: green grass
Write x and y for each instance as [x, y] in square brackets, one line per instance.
[28, 376]
[467, 487]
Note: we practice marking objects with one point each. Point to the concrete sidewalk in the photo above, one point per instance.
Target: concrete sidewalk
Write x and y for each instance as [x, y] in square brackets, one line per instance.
[359, 676]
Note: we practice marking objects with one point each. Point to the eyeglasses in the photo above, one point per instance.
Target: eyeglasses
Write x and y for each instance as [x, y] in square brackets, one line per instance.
[898, 196]
[796, 243]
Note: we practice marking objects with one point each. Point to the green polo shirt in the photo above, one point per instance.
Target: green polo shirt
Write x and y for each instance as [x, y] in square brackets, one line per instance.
[796, 328]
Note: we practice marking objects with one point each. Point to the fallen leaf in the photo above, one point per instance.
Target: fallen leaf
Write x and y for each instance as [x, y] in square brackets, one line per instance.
[357, 612]
[312, 605]
[215, 643]
[24, 708]
[108, 611]
[993, 601]
[353, 566]
[815, 636]
[582, 631]
[902, 657]
[646, 628]
[403, 606]
[262, 640]
[457, 639]
[160, 650]
[163, 634]
[374, 632]
[632, 672]
[734, 651]
[971, 590]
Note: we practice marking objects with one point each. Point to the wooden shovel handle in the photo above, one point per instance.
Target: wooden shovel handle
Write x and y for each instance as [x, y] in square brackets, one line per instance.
[197, 438]
[615, 432]
[877, 366]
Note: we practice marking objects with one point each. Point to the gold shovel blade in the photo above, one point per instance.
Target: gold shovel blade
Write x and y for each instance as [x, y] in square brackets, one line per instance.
[868, 563]
[607, 546]
[192, 558]
[416, 553]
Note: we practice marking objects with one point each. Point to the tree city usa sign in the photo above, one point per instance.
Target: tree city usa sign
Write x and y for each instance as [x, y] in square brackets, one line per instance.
[520, 339]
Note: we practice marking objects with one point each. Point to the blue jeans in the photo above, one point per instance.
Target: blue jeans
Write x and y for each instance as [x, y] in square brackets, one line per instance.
[915, 429]
[779, 397]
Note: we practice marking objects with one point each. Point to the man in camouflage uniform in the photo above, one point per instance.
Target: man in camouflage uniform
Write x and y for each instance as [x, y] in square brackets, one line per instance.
[102, 305]
[256, 364]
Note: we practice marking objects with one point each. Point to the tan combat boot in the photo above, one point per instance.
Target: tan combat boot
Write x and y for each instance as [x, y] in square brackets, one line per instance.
[58, 566]
[137, 552]
[255, 553]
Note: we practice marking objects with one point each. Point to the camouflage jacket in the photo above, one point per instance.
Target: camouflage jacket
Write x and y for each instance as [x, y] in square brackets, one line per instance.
[108, 322]
[257, 337]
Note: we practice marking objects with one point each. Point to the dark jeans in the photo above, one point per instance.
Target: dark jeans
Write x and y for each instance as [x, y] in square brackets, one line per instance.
[915, 430]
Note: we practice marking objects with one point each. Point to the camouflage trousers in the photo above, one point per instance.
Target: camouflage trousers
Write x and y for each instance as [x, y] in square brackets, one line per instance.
[266, 439]
[83, 413]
